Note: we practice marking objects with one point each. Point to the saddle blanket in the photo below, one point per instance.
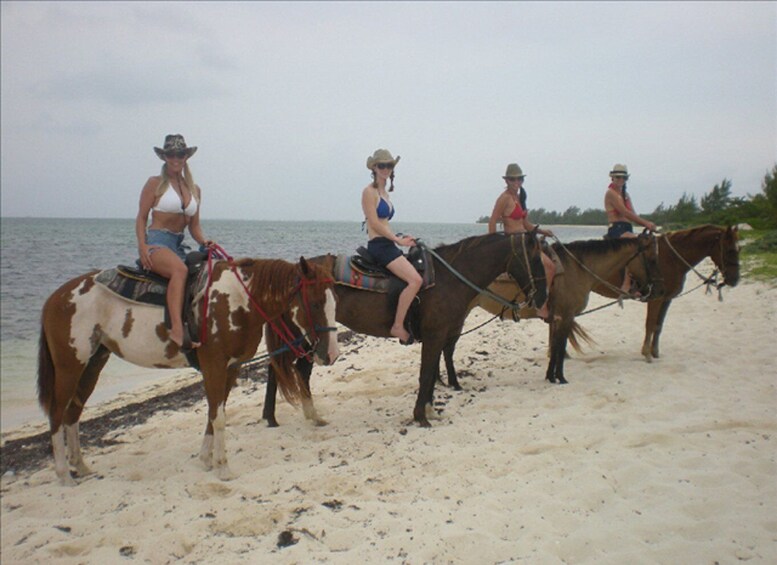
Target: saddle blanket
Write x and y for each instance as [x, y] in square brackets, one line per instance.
[133, 287]
[346, 274]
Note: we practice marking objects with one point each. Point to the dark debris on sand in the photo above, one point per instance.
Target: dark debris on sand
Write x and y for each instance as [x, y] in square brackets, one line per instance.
[34, 452]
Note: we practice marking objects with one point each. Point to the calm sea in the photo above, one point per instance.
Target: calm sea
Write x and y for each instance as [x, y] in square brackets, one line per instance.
[37, 255]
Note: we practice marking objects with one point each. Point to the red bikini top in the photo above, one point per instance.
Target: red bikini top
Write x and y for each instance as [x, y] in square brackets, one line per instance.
[518, 213]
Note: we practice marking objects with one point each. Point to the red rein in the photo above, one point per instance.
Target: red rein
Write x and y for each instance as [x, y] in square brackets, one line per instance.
[283, 332]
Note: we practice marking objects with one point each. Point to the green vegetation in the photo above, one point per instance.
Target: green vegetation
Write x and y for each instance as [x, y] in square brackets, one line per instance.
[759, 254]
[716, 207]
[759, 246]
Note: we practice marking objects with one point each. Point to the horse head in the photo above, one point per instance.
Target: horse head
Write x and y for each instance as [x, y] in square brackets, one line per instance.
[651, 285]
[525, 266]
[313, 311]
[726, 258]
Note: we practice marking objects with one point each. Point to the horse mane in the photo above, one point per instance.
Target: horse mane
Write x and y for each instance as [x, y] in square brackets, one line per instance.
[452, 250]
[684, 234]
[584, 247]
[273, 277]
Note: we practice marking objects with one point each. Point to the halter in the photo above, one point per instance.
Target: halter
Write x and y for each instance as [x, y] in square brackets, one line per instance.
[712, 280]
[282, 330]
[495, 297]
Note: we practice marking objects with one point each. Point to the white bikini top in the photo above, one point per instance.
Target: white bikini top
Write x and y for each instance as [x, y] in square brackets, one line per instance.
[172, 204]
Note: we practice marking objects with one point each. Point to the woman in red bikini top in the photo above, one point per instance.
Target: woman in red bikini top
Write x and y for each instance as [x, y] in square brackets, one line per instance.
[510, 210]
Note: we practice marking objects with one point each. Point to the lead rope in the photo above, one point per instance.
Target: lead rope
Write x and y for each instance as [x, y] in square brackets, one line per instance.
[285, 334]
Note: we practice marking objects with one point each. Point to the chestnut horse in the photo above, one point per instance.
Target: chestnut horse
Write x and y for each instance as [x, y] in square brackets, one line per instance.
[83, 323]
[478, 260]
[679, 252]
[586, 264]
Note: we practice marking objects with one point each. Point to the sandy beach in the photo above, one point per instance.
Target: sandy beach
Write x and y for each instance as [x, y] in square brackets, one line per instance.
[669, 462]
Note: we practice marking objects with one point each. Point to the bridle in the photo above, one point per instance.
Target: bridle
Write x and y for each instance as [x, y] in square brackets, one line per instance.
[277, 325]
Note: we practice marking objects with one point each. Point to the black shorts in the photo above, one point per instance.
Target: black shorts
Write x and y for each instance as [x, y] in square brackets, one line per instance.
[617, 229]
[383, 250]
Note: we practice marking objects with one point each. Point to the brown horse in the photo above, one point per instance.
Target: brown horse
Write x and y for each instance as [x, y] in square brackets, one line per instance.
[83, 323]
[586, 264]
[478, 260]
[679, 252]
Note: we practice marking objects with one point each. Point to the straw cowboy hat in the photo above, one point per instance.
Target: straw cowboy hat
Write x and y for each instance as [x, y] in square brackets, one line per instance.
[513, 172]
[381, 156]
[174, 143]
[619, 170]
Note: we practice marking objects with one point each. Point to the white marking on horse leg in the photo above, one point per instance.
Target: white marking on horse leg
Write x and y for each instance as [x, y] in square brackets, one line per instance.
[311, 413]
[60, 458]
[74, 455]
[430, 413]
[206, 451]
[220, 464]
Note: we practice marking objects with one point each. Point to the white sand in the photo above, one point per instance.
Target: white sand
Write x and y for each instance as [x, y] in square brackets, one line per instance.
[669, 462]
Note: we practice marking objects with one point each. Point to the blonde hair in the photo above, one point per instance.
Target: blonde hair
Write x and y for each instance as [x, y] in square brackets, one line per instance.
[187, 179]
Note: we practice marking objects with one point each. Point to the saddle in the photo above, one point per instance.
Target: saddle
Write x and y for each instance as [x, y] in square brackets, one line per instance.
[362, 272]
[145, 287]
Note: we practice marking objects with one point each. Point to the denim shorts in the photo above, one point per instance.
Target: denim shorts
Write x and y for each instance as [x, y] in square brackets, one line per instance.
[171, 240]
[383, 250]
[617, 229]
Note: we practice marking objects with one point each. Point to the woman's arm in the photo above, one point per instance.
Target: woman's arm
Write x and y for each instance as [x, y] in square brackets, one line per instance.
[620, 207]
[496, 213]
[147, 198]
[195, 228]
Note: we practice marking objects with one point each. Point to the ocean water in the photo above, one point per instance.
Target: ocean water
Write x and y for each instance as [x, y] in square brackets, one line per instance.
[37, 255]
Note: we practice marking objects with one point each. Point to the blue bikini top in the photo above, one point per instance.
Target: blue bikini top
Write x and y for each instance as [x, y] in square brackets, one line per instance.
[385, 209]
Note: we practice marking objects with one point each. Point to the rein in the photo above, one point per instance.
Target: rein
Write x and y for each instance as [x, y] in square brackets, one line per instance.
[282, 330]
[710, 281]
[496, 298]
[612, 287]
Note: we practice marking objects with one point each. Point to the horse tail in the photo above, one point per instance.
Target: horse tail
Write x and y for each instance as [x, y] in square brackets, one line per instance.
[45, 373]
[578, 334]
[289, 380]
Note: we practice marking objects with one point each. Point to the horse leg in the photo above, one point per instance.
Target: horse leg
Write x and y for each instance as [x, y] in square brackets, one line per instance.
[659, 327]
[430, 366]
[559, 333]
[76, 406]
[268, 412]
[214, 450]
[651, 319]
[447, 351]
[305, 368]
[65, 385]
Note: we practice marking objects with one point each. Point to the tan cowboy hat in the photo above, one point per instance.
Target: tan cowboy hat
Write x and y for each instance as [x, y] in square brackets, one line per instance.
[381, 156]
[619, 170]
[513, 172]
[174, 143]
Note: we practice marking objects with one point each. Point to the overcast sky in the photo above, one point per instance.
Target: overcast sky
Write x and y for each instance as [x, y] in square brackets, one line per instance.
[286, 100]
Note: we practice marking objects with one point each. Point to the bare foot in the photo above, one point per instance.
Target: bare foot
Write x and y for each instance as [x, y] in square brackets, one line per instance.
[543, 312]
[401, 333]
[183, 341]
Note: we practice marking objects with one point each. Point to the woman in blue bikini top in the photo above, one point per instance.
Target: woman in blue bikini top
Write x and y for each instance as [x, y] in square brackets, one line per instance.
[382, 243]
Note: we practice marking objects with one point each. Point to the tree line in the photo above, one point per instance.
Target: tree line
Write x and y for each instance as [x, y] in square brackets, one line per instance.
[715, 207]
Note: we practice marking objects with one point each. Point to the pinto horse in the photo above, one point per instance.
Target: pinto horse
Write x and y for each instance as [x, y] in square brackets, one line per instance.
[679, 252]
[586, 264]
[478, 260]
[83, 323]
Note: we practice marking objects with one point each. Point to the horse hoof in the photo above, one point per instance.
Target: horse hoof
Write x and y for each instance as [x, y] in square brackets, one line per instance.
[320, 422]
[224, 474]
[67, 480]
[272, 423]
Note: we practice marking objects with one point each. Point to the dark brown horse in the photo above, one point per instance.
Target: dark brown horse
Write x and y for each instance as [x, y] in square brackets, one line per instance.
[443, 307]
[83, 323]
[586, 264]
[679, 252]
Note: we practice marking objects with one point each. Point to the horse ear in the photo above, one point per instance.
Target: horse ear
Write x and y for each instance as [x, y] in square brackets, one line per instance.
[304, 266]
